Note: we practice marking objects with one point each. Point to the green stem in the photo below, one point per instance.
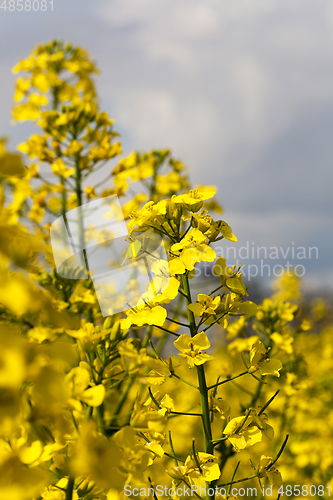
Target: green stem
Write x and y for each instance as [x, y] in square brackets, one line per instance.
[256, 395]
[146, 338]
[131, 380]
[249, 393]
[122, 400]
[190, 315]
[151, 485]
[189, 486]
[55, 104]
[100, 419]
[215, 290]
[161, 342]
[204, 402]
[268, 402]
[187, 414]
[217, 319]
[209, 447]
[279, 452]
[78, 191]
[69, 489]
[175, 459]
[165, 337]
[232, 478]
[185, 381]
[238, 481]
[168, 331]
[215, 441]
[63, 197]
[177, 322]
[227, 380]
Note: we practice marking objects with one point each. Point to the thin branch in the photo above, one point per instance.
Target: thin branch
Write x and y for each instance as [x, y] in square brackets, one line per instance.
[218, 288]
[215, 441]
[243, 422]
[177, 322]
[151, 484]
[165, 330]
[44, 180]
[229, 379]
[173, 451]
[187, 414]
[104, 180]
[69, 489]
[232, 478]
[268, 402]
[279, 453]
[217, 319]
[185, 381]
[195, 456]
[238, 481]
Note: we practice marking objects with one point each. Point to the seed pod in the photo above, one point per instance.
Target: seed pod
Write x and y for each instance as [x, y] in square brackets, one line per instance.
[107, 323]
[85, 487]
[115, 331]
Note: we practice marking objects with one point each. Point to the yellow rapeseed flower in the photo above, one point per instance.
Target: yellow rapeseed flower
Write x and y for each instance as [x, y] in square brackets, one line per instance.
[191, 348]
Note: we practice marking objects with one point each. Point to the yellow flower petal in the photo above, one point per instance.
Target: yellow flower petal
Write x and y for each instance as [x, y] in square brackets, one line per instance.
[271, 367]
[30, 454]
[94, 396]
[26, 112]
[198, 309]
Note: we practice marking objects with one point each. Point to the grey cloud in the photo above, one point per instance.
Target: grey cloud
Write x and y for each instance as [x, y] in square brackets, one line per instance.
[241, 91]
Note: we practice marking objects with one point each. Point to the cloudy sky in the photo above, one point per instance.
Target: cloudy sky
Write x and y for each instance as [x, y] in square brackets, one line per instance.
[241, 91]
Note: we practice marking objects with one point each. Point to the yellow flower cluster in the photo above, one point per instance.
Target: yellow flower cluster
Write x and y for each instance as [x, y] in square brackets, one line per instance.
[195, 390]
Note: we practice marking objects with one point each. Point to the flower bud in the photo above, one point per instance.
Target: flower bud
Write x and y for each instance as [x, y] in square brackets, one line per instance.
[85, 487]
[213, 232]
[194, 207]
[115, 332]
[107, 323]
